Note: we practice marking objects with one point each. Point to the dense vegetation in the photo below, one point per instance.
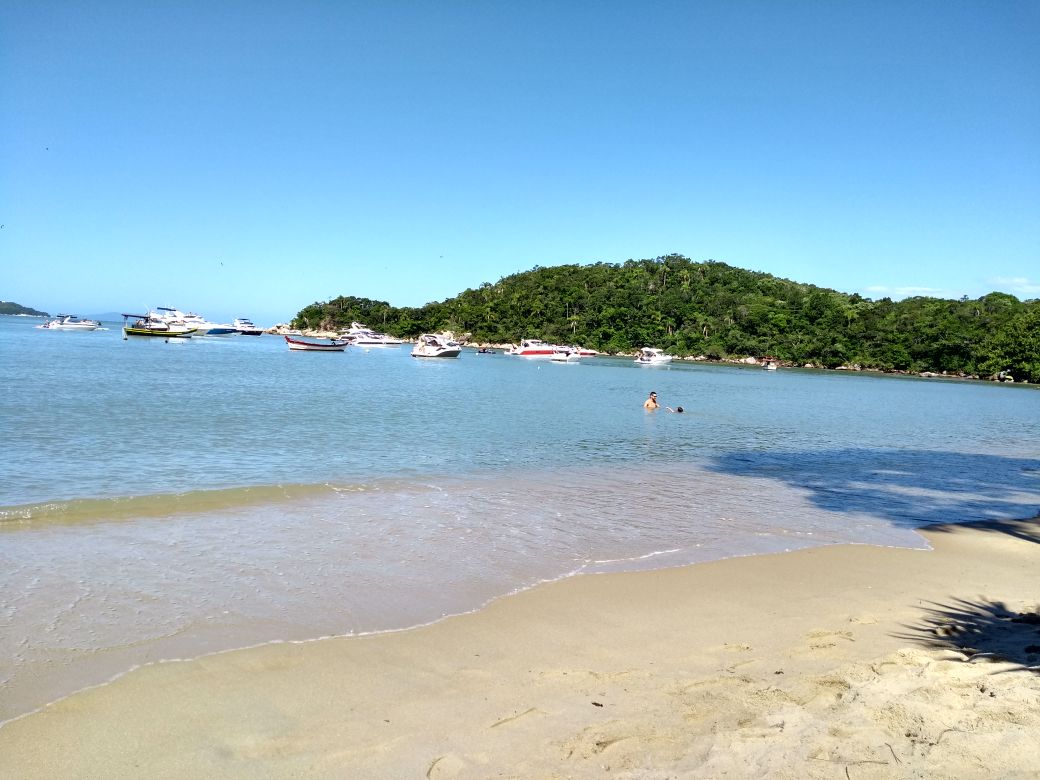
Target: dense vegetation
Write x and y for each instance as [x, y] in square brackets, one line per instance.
[716, 310]
[6, 307]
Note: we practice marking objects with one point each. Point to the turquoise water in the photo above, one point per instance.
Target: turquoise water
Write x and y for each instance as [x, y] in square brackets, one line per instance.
[163, 500]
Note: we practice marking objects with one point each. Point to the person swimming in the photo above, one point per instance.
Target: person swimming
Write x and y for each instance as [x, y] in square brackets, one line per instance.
[651, 402]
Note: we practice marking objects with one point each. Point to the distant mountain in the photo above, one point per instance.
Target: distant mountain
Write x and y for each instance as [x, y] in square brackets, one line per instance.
[7, 307]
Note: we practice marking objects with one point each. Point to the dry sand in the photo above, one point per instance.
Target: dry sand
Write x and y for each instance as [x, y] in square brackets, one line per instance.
[841, 662]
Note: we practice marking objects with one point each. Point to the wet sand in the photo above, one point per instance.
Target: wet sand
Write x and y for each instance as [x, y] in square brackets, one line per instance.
[847, 661]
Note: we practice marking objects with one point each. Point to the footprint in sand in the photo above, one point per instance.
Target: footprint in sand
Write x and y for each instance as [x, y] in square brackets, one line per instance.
[821, 639]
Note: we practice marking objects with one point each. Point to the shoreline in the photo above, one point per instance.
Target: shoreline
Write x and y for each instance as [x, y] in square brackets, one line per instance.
[786, 664]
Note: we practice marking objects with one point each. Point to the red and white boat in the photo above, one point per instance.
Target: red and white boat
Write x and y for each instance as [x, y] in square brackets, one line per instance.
[582, 351]
[532, 348]
[308, 344]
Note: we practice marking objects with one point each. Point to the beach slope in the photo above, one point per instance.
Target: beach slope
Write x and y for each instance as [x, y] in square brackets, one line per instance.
[845, 661]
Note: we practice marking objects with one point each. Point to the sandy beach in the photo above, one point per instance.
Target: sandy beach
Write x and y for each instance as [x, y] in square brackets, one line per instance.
[837, 662]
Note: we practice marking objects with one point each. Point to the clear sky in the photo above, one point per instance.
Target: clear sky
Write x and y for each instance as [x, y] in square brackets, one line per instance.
[250, 158]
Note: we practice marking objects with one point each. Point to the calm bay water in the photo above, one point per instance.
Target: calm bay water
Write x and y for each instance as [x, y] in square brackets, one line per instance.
[166, 500]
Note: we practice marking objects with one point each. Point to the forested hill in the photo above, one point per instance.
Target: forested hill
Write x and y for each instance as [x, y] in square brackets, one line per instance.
[7, 307]
[713, 309]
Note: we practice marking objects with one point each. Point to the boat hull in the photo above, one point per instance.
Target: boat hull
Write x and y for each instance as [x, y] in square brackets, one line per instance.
[162, 334]
[304, 345]
[445, 353]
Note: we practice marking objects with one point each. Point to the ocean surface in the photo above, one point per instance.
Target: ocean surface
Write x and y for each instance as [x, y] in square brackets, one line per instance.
[166, 500]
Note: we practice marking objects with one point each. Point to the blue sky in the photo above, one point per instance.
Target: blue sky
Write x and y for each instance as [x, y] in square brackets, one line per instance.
[250, 158]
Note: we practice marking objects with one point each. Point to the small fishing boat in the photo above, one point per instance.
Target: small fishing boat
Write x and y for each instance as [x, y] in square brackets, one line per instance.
[146, 325]
[70, 322]
[770, 365]
[435, 345]
[650, 356]
[309, 344]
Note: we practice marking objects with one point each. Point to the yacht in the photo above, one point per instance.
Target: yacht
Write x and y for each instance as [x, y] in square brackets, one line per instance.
[649, 356]
[565, 355]
[246, 327]
[362, 336]
[202, 326]
[70, 322]
[532, 348]
[435, 345]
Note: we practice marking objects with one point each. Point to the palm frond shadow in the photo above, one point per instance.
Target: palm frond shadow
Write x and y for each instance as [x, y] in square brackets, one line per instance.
[980, 630]
[907, 487]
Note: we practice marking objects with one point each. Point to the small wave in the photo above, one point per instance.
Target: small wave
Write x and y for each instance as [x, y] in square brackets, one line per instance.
[120, 508]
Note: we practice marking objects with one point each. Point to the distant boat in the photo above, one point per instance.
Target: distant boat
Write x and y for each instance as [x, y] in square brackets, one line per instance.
[362, 336]
[201, 325]
[532, 348]
[650, 356]
[435, 345]
[246, 327]
[70, 322]
[770, 365]
[149, 326]
[308, 344]
[583, 351]
[565, 355]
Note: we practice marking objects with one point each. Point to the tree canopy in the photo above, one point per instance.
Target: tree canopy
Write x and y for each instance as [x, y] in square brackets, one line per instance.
[713, 309]
[8, 307]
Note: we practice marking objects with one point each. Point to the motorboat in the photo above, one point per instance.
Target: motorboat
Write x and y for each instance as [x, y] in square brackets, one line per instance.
[202, 326]
[581, 351]
[362, 336]
[532, 348]
[651, 356]
[585, 351]
[565, 355]
[770, 365]
[310, 344]
[435, 345]
[246, 327]
[147, 325]
[70, 322]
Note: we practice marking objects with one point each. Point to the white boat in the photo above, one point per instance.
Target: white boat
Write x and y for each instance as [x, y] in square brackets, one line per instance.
[202, 326]
[70, 322]
[650, 356]
[309, 344]
[362, 336]
[246, 327]
[532, 348]
[770, 365]
[435, 345]
[565, 355]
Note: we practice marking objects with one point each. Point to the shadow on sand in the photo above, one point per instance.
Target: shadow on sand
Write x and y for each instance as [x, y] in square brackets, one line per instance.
[980, 630]
[909, 488]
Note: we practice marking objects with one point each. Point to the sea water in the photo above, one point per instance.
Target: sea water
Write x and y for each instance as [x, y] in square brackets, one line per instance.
[165, 500]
